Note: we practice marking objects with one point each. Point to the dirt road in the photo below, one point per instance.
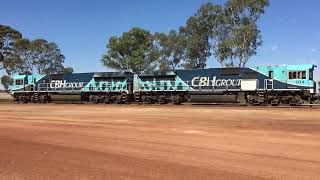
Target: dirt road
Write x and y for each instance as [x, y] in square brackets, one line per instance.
[158, 142]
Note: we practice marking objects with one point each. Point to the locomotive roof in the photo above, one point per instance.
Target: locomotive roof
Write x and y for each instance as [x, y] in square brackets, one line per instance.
[173, 72]
[158, 73]
[113, 74]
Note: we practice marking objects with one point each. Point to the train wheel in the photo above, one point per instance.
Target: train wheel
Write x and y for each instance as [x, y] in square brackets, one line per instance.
[145, 99]
[17, 99]
[43, 99]
[24, 99]
[20, 100]
[107, 99]
[295, 101]
[162, 100]
[117, 100]
[93, 99]
[275, 102]
[149, 100]
[176, 99]
[97, 99]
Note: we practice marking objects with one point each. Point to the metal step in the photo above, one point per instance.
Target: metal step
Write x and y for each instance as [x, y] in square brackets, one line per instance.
[35, 97]
[136, 97]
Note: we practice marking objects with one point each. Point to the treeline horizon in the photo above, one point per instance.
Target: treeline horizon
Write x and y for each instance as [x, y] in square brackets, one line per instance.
[228, 32]
[19, 55]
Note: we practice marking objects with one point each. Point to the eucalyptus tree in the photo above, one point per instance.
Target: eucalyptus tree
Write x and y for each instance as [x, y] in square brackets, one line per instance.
[171, 48]
[236, 29]
[197, 32]
[8, 36]
[228, 31]
[47, 57]
[37, 56]
[133, 51]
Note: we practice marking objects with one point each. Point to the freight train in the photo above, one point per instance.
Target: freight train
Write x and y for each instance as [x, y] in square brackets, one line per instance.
[261, 85]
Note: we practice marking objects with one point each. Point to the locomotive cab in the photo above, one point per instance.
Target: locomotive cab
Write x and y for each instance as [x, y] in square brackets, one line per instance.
[301, 77]
[19, 81]
[25, 82]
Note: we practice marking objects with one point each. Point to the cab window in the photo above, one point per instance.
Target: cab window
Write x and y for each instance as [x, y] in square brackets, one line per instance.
[304, 75]
[310, 74]
[297, 75]
[19, 82]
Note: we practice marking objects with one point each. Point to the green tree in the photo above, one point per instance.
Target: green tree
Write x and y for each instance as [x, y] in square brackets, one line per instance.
[48, 58]
[8, 36]
[236, 31]
[230, 31]
[197, 33]
[6, 81]
[134, 51]
[68, 70]
[21, 59]
[171, 48]
[37, 56]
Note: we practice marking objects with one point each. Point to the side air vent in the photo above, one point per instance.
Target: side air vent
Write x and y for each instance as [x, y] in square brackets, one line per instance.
[230, 71]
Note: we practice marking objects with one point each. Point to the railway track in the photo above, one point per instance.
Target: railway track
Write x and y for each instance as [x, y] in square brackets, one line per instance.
[314, 106]
[262, 106]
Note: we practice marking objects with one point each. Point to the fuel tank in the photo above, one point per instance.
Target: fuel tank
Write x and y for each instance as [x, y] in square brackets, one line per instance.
[213, 98]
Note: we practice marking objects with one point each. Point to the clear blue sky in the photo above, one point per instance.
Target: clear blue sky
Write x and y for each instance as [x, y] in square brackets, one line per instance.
[81, 28]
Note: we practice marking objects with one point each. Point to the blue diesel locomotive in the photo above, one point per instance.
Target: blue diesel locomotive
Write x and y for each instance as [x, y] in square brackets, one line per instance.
[285, 84]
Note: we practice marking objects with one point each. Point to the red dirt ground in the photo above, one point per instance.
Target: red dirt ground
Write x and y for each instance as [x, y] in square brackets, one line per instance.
[158, 142]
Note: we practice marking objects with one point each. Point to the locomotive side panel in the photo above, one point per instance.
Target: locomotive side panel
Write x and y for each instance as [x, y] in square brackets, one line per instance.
[160, 87]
